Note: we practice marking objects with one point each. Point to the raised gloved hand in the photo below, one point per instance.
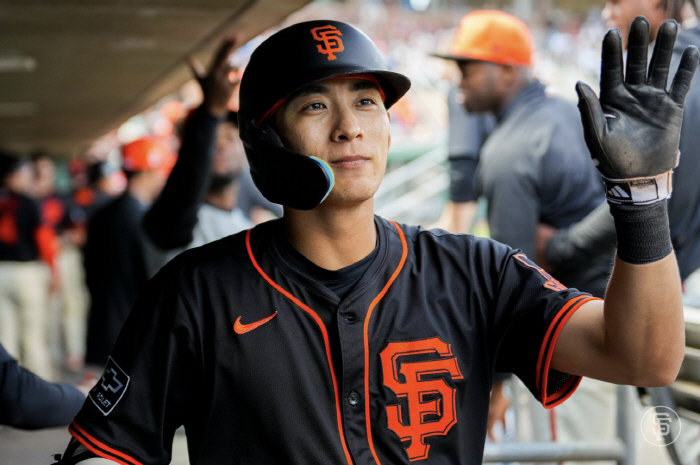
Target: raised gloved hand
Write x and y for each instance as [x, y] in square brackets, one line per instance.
[220, 80]
[633, 130]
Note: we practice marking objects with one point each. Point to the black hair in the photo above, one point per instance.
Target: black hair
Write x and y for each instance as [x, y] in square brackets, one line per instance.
[9, 163]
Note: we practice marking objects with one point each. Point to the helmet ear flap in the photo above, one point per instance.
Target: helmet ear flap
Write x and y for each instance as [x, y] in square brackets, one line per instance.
[269, 133]
[283, 176]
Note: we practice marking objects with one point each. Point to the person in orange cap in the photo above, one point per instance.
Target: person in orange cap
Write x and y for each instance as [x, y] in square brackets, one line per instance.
[535, 164]
[116, 257]
[534, 167]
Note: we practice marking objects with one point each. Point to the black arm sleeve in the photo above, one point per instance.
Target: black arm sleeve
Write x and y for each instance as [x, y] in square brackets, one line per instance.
[29, 402]
[462, 172]
[172, 217]
[585, 239]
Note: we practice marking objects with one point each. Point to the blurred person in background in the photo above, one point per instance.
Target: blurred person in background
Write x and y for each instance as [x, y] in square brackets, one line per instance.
[201, 201]
[26, 249]
[69, 298]
[104, 182]
[620, 14]
[522, 170]
[43, 190]
[533, 168]
[467, 133]
[116, 261]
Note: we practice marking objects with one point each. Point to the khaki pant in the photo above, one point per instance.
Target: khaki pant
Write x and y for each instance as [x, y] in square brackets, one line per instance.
[74, 299]
[24, 289]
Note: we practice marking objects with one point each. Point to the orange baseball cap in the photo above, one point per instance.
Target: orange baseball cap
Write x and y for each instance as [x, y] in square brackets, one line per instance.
[494, 36]
[148, 154]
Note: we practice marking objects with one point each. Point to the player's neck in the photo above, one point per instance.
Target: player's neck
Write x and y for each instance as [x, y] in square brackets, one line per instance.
[332, 238]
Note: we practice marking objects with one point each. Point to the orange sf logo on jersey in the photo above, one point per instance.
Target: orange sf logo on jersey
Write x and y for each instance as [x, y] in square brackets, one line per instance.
[330, 36]
[550, 282]
[410, 370]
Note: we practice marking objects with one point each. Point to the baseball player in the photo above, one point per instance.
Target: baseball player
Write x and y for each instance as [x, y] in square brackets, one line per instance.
[334, 336]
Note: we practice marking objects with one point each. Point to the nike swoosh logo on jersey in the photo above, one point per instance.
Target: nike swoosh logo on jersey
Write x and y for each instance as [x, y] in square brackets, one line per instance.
[240, 328]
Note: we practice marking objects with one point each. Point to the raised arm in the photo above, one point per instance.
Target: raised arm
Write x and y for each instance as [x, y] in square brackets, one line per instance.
[636, 336]
[172, 217]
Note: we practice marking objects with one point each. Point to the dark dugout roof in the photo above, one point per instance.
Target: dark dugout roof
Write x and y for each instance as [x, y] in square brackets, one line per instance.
[70, 71]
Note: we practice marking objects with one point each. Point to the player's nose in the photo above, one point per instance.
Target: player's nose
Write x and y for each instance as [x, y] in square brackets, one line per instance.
[346, 126]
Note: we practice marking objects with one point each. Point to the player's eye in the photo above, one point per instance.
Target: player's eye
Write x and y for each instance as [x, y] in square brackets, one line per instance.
[314, 106]
[366, 101]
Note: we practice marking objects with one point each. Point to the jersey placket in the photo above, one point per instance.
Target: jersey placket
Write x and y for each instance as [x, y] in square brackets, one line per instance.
[354, 323]
[351, 381]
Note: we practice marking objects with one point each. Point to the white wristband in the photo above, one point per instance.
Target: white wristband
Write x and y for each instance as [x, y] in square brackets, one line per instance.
[639, 191]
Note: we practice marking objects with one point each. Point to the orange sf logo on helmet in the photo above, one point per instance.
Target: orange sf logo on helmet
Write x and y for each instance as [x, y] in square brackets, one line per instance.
[330, 36]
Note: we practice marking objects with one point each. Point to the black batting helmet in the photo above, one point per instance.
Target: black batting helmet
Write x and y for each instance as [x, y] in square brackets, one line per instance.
[291, 59]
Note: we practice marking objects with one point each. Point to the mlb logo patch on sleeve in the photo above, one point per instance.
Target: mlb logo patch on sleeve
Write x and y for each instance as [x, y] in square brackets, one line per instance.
[110, 388]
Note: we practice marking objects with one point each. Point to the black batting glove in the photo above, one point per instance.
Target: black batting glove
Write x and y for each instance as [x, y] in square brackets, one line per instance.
[633, 130]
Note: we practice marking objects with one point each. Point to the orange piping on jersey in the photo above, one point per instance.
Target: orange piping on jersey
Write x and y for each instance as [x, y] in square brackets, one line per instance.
[320, 324]
[546, 354]
[47, 244]
[99, 447]
[562, 394]
[365, 333]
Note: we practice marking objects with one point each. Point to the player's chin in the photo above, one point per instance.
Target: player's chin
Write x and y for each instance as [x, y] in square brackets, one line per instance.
[356, 195]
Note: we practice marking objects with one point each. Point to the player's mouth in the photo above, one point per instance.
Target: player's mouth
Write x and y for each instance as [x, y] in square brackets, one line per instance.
[349, 162]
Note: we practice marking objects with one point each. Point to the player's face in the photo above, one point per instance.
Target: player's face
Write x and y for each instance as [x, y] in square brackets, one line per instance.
[21, 179]
[343, 122]
[229, 157]
[480, 86]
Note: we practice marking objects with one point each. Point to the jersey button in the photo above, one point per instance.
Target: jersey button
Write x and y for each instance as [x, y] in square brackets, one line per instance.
[350, 318]
[353, 398]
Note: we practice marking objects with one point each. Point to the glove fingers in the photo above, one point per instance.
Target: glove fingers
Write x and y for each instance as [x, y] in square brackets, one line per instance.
[663, 51]
[684, 75]
[592, 117]
[611, 61]
[637, 47]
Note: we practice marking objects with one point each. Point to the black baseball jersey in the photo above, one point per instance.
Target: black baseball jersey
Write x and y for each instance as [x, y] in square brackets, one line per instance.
[234, 342]
[20, 217]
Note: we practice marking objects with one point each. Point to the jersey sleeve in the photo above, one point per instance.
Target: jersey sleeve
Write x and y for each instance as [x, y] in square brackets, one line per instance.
[29, 402]
[531, 309]
[149, 383]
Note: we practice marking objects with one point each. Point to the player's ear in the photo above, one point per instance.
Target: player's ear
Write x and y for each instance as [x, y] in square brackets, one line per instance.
[388, 114]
